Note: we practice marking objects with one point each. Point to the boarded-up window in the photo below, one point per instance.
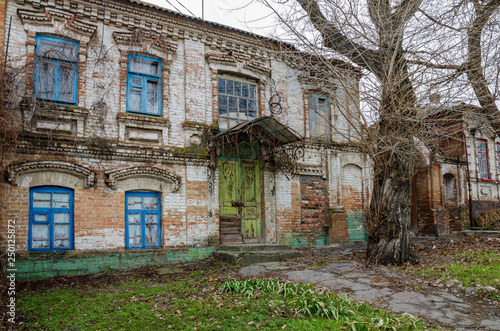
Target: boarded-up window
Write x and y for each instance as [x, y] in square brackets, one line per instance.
[312, 196]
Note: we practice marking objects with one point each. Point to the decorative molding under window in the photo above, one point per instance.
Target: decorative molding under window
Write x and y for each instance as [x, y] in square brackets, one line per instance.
[140, 128]
[57, 119]
[59, 173]
[136, 178]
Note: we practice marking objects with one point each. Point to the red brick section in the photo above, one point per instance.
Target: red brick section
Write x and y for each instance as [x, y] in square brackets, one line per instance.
[15, 206]
[3, 27]
[339, 231]
[262, 99]
[352, 198]
[97, 209]
[430, 200]
[312, 194]
[94, 209]
[82, 68]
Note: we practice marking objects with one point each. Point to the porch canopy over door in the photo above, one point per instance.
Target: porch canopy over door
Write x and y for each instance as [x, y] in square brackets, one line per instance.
[239, 154]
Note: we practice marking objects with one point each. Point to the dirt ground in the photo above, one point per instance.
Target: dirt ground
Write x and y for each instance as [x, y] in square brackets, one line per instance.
[432, 251]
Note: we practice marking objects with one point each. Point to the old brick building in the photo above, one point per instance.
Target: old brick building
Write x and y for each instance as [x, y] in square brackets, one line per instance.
[459, 172]
[119, 100]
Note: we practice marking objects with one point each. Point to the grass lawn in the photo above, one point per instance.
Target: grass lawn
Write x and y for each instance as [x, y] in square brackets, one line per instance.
[475, 268]
[199, 301]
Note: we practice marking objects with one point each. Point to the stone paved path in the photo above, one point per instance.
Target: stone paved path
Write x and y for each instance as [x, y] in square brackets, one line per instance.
[373, 286]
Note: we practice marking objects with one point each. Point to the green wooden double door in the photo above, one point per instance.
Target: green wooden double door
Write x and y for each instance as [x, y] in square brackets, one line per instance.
[240, 201]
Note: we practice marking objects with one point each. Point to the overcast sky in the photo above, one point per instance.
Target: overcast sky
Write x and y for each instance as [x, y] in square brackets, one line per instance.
[233, 13]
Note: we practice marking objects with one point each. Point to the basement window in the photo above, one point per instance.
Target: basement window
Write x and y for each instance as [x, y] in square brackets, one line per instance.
[56, 70]
[51, 219]
[142, 220]
[144, 85]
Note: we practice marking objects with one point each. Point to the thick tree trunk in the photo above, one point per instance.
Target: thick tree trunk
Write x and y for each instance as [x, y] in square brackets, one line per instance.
[389, 215]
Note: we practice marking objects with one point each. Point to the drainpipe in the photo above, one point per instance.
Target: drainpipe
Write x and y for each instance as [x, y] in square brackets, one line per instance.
[468, 182]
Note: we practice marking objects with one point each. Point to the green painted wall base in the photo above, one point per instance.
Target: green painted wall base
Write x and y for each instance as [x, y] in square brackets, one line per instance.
[304, 240]
[357, 229]
[44, 265]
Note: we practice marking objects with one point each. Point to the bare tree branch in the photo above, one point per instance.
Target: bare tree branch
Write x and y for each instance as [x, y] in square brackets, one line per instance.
[335, 39]
[475, 71]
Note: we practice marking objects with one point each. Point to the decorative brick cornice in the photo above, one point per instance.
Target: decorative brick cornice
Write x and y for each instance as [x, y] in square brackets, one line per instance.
[157, 40]
[33, 16]
[15, 170]
[120, 151]
[47, 16]
[238, 61]
[334, 146]
[311, 171]
[142, 171]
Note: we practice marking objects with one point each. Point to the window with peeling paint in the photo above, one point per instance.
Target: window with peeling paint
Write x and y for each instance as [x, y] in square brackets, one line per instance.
[51, 219]
[482, 159]
[498, 157]
[142, 220]
[237, 102]
[319, 117]
[144, 85]
[56, 70]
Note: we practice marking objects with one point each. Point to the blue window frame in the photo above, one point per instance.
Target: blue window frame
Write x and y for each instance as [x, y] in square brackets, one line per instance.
[142, 220]
[319, 117]
[144, 85]
[56, 70]
[51, 219]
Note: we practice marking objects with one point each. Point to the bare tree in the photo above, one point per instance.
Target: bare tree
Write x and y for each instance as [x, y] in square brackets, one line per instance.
[408, 48]
[388, 215]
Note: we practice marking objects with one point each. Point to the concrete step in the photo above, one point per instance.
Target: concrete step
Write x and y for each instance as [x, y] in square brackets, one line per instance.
[239, 254]
[253, 247]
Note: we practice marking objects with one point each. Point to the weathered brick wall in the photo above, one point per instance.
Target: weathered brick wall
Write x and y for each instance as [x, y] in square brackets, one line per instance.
[104, 137]
[429, 199]
[312, 211]
[312, 203]
[99, 212]
[481, 206]
[4, 26]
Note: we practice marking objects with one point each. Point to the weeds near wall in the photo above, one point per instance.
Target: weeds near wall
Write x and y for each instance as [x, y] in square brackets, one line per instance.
[307, 301]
